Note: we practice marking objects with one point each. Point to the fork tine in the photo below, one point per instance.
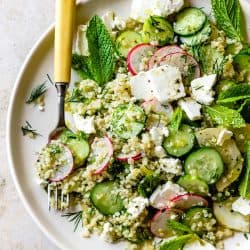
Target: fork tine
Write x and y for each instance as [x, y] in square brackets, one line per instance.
[49, 196]
[67, 200]
[56, 197]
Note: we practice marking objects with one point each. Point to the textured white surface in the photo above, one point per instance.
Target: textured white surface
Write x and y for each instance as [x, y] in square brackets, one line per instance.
[22, 23]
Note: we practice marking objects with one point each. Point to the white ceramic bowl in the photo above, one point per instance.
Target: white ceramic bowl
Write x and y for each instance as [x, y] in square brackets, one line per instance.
[22, 150]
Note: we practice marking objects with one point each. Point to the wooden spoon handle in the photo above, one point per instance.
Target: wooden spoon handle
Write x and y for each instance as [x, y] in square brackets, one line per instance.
[64, 26]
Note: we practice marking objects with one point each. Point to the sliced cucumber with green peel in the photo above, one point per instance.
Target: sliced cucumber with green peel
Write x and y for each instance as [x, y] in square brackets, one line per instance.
[242, 64]
[189, 21]
[128, 121]
[198, 38]
[127, 40]
[181, 142]
[206, 164]
[105, 197]
[200, 220]
[157, 29]
[77, 145]
[193, 185]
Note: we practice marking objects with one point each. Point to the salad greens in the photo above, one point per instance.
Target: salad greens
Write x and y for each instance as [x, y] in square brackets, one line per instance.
[229, 17]
[176, 243]
[244, 187]
[225, 116]
[176, 120]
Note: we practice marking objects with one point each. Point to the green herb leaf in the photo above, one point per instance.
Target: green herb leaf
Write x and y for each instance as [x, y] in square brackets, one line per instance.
[235, 93]
[225, 116]
[75, 217]
[176, 120]
[28, 130]
[101, 60]
[229, 17]
[244, 187]
[37, 92]
[148, 184]
[179, 227]
[81, 65]
[176, 243]
[76, 96]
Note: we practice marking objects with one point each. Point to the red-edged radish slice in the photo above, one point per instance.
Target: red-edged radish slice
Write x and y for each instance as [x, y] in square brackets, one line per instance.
[66, 166]
[126, 157]
[187, 201]
[188, 66]
[158, 225]
[101, 153]
[136, 56]
[161, 53]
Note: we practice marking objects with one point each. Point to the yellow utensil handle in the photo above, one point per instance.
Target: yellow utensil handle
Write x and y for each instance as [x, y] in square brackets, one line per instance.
[65, 19]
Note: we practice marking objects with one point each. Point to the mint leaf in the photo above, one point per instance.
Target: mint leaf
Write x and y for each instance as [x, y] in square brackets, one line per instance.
[81, 65]
[176, 243]
[244, 187]
[229, 17]
[178, 227]
[225, 116]
[101, 60]
[176, 120]
[235, 93]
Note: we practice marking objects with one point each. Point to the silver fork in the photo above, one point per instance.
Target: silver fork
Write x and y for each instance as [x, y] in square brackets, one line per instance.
[65, 17]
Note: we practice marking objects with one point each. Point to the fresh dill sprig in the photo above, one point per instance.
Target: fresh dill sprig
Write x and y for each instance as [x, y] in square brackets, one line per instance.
[37, 92]
[76, 96]
[50, 80]
[28, 130]
[75, 217]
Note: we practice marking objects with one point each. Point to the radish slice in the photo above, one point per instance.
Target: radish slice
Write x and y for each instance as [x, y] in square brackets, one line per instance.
[65, 165]
[126, 157]
[188, 66]
[162, 53]
[137, 55]
[187, 201]
[158, 225]
[101, 153]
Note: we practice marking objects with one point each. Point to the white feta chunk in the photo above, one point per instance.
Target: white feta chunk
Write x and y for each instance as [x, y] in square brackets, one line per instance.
[163, 194]
[166, 83]
[106, 234]
[202, 90]
[142, 9]
[87, 125]
[171, 165]
[156, 135]
[199, 244]
[223, 136]
[108, 19]
[191, 108]
[137, 205]
[141, 87]
[82, 46]
[242, 206]
[160, 152]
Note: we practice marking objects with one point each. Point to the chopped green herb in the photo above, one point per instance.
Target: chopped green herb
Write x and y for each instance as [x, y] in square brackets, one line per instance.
[75, 217]
[76, 96]
[176, 120]
[37, 92]
[28, 130]
[179, 227]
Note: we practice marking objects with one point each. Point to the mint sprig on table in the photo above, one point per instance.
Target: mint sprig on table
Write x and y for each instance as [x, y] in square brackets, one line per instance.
[100, 64]
[229, 17]
[224, 116]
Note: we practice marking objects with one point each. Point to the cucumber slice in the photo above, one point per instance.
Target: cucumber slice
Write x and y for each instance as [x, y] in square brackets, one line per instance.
[77, 145]
[157, 29]
[242, 64]
[189, 21]
[127, 40]
[193, 184]
[176, 243]
[200, 220]
[105, 197]
[198, 38]
[180, 142]
[128, 121]
[206, 164]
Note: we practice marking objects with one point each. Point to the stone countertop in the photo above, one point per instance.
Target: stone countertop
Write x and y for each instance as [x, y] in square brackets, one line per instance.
[22, 23]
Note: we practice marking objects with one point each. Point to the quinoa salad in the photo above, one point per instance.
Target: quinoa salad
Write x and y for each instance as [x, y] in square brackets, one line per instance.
[158, 147]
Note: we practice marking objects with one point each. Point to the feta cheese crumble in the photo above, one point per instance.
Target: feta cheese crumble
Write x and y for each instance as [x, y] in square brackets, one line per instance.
[223, 136]
[82, 46]
[106, 234]
[86, 125]
[163, 194]
[171, 165]
[137, 206]
[242, 206]
[191, 108]
[202, 90]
